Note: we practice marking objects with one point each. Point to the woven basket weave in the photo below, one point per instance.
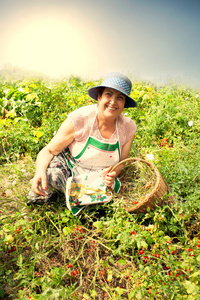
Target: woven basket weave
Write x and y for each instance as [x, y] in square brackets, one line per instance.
[157, 196]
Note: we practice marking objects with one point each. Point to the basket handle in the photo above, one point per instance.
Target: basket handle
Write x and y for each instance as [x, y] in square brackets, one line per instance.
[132, 159]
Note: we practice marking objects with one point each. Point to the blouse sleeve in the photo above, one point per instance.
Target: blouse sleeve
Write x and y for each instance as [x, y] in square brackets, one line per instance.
[80, 119]
[127, 129]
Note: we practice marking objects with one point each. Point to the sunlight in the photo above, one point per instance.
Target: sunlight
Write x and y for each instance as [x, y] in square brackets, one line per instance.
[50, 46]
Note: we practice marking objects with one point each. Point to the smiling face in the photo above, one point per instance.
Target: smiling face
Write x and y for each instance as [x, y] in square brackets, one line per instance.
[111, 102]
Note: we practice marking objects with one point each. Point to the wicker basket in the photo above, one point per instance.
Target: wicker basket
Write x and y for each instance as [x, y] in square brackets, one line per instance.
[156, 197]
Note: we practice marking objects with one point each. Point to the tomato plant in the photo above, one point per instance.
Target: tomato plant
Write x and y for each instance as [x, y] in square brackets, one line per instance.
[105, 252]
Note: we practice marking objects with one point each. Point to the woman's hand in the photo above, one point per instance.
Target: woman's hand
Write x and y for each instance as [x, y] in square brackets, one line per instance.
[108, 177]
[61, 140]
[39, 184]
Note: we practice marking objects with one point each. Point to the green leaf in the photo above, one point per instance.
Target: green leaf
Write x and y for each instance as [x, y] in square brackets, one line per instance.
[98, 224]
[110, 274]
[119, 291]
[65, 219]
[142, 244]
[121, 261]
[112, 261]
[93, 293]
[2, 294]
[66, 230]
[105, 263]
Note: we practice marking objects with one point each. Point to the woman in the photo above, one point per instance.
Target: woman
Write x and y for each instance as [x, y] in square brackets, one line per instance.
[79, 158]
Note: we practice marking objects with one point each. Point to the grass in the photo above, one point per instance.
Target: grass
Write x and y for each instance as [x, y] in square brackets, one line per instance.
[105, 252]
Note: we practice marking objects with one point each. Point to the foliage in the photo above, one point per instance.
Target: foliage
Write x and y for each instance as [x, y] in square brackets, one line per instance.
[104, 253]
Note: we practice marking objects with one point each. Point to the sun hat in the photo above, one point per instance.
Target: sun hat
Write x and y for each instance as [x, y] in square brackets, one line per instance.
[118, 82]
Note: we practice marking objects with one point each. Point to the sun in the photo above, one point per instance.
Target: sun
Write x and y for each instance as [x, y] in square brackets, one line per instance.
[51, 45]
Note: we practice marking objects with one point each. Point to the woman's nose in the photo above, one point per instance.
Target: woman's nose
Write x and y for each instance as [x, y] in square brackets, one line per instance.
[113, 99]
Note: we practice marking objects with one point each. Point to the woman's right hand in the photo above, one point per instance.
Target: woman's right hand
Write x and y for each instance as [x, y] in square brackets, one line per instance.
[39, 184]
[61, 140]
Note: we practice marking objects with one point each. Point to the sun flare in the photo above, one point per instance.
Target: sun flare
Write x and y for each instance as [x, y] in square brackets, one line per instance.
[52, 46]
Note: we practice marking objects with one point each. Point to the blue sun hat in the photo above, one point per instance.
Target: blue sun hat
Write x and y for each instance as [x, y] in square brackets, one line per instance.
[118, 82]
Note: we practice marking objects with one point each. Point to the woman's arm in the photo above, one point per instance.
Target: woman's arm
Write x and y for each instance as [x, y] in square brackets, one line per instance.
[109, 177]
[61, 140]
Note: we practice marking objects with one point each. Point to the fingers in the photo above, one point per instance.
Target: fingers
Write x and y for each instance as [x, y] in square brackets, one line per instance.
[39, 185]
[109, 178]
[44, 183]
[36, 187]
[106, 171]
[108, 182]
[109, 169]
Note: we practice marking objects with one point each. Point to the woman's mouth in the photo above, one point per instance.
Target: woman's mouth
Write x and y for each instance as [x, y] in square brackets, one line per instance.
[111, 108]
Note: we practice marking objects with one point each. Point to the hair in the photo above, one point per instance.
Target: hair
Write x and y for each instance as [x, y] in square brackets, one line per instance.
[100, 91]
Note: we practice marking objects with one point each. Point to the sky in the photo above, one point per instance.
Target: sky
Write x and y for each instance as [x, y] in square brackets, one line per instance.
[154, 40]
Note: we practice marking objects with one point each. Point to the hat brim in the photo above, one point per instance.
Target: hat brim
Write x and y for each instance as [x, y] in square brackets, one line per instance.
[92, 92]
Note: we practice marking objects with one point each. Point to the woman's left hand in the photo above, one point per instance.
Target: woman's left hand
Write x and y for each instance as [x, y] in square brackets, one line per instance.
[108, 177]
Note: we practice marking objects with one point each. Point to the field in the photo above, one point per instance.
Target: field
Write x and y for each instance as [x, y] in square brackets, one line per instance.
[105, 252]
